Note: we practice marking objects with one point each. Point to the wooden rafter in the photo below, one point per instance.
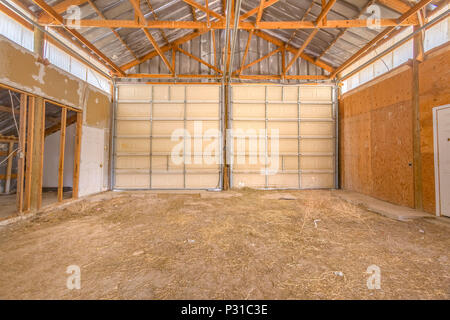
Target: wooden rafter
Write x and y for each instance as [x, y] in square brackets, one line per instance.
[269, 25]
[293, 50]
[199, 60]
[59, 8]
[260, 59]
[250, 35]
[213, 33]
[138, 11]
[155, 16]
[382, 35]
[165, 48]
[204, 9]
[44, 6]
[319, 20]
[9, 110]
[341, 33]
[102, 16]
[254, 11]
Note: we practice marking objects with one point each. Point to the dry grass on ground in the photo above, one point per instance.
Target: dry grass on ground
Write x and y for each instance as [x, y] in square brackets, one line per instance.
[237, 245]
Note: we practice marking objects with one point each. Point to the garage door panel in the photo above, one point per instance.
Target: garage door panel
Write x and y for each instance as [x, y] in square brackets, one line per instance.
[130, 162]
[248, 111]
[168, 111]
[316, 111]
[279, 110]
[146, 156]
[299, 124]
[133, 110]
[133, 145]
[136, 128]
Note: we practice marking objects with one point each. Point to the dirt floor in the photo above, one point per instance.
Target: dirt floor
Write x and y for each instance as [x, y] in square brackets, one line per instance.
[233, 245]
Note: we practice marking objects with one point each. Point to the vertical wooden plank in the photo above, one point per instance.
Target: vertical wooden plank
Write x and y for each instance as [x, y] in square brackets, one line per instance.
[62, 144]
[9, 168]
[29, 153]
[21, 151]
[76, 166]
[41, 160]
[417, 157]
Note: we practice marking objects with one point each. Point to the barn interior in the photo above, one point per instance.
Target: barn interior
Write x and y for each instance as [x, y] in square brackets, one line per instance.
[225, 149]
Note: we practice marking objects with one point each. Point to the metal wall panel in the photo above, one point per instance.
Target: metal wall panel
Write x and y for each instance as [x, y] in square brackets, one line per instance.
[299, 121]
[146, 119]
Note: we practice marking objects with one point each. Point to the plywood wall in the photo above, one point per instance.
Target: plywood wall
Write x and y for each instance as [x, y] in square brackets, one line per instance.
[376, 139]
[434, 90]
[298, 120]
[376, 150]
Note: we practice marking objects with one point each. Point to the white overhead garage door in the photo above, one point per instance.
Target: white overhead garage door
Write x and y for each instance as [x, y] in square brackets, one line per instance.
[167, 137]
[283, 136]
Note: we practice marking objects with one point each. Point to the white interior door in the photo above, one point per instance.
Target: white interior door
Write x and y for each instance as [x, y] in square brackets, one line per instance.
[92, 162]
[442, 159]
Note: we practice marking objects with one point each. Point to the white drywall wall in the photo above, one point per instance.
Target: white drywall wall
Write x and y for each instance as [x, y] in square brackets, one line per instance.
[51, 158]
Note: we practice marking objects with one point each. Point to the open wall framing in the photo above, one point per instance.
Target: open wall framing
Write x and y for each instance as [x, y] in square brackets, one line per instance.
[303, 117]
[151, 121]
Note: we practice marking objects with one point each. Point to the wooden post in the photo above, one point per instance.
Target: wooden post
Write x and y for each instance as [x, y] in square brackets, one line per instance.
[62, 145]
[9, 167]
[417, 157]
[226, 176]
[76, 166]
[21, 151]
[37, 150]
[29, 154]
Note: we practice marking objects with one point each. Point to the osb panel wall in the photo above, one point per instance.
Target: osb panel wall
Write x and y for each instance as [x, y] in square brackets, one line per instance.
[434, 90]
[376, 139]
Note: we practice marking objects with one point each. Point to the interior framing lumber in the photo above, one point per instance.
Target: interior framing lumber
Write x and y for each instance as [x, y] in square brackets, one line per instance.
[62, 144]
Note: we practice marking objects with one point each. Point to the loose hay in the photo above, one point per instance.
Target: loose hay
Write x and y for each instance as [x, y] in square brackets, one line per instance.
[137, 245]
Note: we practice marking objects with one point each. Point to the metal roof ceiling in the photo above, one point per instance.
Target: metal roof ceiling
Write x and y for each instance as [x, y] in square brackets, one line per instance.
[177, 10]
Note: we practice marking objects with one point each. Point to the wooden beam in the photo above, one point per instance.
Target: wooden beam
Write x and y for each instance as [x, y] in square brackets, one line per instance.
[21, 161]
[199, 60]
[165, 48]
[279, 77]
[323, 14]
[77, 153]
[155, 16]
[258, 19]
[319, 20]
[62, 145]
[341, 33]
[59, 8]
[155, 45]
[200, 25]
[44, 6]
[292, 49]
[4, 176]
[204, 9]
[56, 127]
[29, 154]
[170, 76]
[254, 11]
[102, 16]
[9, 110]
[382, 35]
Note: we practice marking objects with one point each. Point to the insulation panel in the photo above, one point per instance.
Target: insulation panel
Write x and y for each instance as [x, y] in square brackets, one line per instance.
[283, 136]
[167, 137]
